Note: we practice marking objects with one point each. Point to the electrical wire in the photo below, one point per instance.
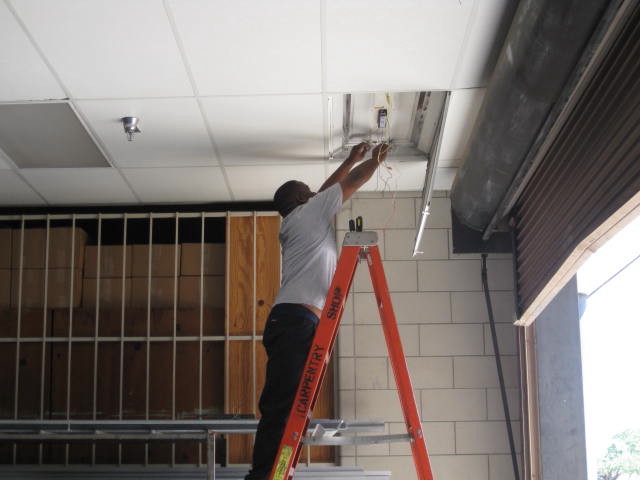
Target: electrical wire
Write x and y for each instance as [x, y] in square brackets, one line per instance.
[496, 351]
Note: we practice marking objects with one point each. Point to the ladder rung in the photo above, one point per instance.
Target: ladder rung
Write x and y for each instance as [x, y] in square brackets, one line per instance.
[363, 440]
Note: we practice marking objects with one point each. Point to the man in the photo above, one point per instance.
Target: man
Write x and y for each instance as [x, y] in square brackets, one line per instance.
[309, 258]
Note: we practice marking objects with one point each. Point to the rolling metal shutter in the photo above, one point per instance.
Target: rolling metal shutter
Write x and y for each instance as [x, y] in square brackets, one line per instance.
[589, 172]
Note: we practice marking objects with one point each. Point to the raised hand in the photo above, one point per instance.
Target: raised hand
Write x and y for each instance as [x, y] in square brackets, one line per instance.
[359, 151]
[379, 153]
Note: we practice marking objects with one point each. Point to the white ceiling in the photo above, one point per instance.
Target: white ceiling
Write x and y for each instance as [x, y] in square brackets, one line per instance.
[233, 96]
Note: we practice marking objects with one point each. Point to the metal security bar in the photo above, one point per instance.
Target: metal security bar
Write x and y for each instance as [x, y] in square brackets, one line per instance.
[107, 334]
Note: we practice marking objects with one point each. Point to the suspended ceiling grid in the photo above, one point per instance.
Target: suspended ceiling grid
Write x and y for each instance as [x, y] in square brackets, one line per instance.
[234, 97]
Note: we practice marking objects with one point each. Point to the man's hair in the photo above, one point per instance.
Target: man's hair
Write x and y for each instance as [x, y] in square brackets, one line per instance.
[285, 197]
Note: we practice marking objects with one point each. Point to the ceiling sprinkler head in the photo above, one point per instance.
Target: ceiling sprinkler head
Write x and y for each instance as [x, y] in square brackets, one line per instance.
[130, 125]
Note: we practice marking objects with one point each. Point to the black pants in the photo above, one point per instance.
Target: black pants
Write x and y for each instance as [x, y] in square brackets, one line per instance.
[287, 338]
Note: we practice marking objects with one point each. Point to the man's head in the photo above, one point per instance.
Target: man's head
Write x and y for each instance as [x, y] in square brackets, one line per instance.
[290, 195]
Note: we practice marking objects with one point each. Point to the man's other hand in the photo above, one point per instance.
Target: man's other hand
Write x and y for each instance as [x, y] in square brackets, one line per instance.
[358, 152]
[379, 153]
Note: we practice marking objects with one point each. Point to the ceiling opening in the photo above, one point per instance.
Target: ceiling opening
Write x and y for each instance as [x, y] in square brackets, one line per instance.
[47, 135]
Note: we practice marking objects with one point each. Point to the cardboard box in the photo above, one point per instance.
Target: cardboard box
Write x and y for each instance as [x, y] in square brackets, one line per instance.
[162, 260]
[110, 292]
[110, 261]
[34, 248]
[162, 290]
[188, 321]
[214, 258]
[8, 322]
[32, 322]
[5, 248]
[58, 287]
[189, 292]
[5, 288]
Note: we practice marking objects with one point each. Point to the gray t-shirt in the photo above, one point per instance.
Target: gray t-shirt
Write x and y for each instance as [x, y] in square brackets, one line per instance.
[309, 253]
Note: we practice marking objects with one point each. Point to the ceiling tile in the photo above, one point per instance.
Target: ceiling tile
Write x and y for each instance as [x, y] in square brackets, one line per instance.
[247, 47]
[14, 191]
[108, 49]
[464, 106]
[173, 132]
[485, 38]
[403, 45]
[80, 186]
[25, 76]
[267, 129]
[178, 185]
[261, 182]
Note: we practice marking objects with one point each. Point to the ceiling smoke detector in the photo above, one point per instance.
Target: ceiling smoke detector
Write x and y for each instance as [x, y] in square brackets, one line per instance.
[130, 125]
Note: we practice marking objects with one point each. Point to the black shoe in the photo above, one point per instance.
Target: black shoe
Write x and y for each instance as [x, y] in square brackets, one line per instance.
[251, 476]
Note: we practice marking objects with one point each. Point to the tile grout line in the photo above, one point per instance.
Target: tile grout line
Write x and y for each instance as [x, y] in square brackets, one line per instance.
[463, 46]
[325, 99]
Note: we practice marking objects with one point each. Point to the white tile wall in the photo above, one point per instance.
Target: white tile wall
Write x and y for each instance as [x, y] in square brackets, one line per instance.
[506, 334]
[472, 372]
[460, 467]
[347, 379]
[401, 277]
[409, 307]
[501, 467]
[371, 373]
[440, 213]
[384, 212]
[451, 339]
[454, 404]
[484, 437]
[449, 275]
[431, 372]
[470, 307]
[369, 341]
[495, 410]
[400, 466]
[500, 273]
[399, 244]
[439, 305]
[378, 404]
[347, 313]
[347, 403]
[345, 341]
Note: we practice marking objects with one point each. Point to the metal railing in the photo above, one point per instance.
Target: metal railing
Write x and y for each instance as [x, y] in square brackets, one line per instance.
[48, 340]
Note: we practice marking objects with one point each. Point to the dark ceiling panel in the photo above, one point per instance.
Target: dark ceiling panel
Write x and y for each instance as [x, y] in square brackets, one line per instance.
[46, 135]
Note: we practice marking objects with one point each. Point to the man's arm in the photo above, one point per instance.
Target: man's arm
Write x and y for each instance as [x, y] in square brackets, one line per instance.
[357, 153]
[359, 175]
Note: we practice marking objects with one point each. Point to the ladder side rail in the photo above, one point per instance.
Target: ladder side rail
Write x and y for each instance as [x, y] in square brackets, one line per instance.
[332, 331]
[399, 364]
[297, 423]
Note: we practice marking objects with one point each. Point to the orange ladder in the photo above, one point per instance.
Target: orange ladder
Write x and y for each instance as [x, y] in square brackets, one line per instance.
[357, 244]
